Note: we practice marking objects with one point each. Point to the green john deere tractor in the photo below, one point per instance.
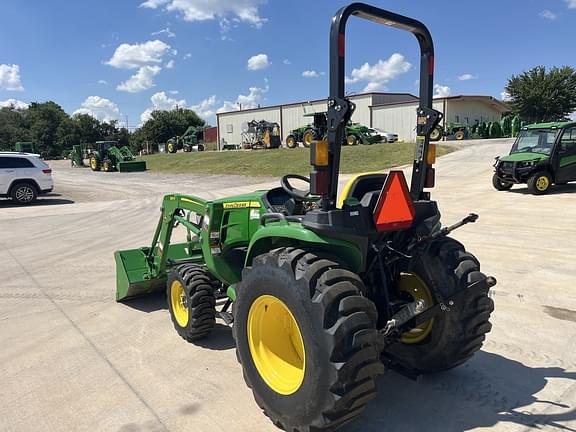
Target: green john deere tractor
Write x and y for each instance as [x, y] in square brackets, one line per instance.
[542, 155]
[192, 140]
[107, 156]
[457, 130]
[325, 296]
[356, 133]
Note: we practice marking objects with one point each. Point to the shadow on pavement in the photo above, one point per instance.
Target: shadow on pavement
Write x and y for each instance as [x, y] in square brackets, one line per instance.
[554, 190]
[220, 339]
[148, 303]
[43, 200]
[488, 390]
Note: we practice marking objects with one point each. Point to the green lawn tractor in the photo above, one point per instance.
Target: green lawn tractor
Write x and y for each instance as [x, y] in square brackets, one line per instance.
[324, 297]
[192, 140]
[542, 155]
[107, 156]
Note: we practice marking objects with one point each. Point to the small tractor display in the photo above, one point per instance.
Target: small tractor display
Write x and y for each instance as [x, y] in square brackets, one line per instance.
[542, 155]
[106, 156]
[261, 135]
[324, 297]
[355, 133]
[192, 140]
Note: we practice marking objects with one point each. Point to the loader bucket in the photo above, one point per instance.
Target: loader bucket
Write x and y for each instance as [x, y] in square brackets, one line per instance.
[133, 277]
[132, 166]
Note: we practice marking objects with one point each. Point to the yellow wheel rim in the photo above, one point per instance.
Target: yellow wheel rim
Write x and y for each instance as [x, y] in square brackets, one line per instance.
[418, 290]
[290, 142]
[179, 302]
[542, 183]
[105, 166]
[93, 163]
[308, 138]
[276, 345]
[350, 140]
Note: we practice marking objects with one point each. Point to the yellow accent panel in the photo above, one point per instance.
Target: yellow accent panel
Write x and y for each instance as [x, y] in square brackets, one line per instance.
[241, 205]
[276, 345]
[348, 187]
[413, 285]
[179, 303]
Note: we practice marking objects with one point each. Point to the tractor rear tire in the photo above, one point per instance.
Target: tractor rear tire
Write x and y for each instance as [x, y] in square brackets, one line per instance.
[309, 316]
[171, 147]
[454, 335]
[499, 185]
[437, 134]
[539, 183]
[291, 142]
[191, 301]
[308, 137]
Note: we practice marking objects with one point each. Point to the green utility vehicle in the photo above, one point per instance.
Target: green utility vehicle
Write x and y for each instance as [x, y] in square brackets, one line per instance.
[356, 133]
[106, 156]
[324, 296]
[542, 155]
[192, 140]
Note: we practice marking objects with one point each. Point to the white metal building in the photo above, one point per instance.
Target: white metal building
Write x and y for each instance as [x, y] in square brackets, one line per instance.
[392, 112]
[400, 118]
[291, 116]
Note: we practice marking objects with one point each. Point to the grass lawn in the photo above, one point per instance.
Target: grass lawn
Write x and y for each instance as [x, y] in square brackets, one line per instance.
[278, 162]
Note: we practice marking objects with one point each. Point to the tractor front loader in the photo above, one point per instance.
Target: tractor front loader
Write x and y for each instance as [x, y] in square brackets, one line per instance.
[324, 297]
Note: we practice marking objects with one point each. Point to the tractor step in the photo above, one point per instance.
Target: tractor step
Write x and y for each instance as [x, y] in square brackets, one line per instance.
[227, 317]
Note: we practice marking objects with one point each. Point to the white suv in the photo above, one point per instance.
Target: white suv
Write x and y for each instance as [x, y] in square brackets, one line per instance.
[24, 176]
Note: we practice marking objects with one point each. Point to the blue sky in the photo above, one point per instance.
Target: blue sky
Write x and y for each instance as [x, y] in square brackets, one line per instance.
[120, 59]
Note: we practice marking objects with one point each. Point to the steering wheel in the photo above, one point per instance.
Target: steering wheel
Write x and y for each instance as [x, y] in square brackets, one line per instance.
[297, 194]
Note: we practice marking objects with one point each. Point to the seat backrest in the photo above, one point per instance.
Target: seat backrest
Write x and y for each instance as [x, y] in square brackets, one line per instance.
[357, 187]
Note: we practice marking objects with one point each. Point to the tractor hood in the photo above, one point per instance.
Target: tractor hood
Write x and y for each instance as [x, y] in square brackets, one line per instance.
[524, 157]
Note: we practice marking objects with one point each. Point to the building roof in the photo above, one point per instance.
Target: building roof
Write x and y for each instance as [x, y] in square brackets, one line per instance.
[502, 106]
[351, 96]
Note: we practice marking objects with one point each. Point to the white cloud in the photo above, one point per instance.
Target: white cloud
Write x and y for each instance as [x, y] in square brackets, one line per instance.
[141, 80]
[467, 77]
[258, 62]
[135, 56]
[207, 108]
[99, 108]
[254, 98]
[548, 14]
[312, 74]
[10, 77]
[14, 103]
[187, 56]
[571, 4]
[173, 92]
[161, 101]
[441, 91]
[102, 82]
[287, 62]
[504, 96]
[170, 64]
[169, 33]
[380, 73]
[245, 11]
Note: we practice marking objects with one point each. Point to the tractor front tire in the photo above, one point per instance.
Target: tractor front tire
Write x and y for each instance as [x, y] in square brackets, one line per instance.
[459, 135]
[291, 142]
[539, 183]
[95, 163]
[352, 140]
[172, 148]
[453, 336]
[437, 134]
[191, 301]
[107, 165]
[306, 338]
[499, 185]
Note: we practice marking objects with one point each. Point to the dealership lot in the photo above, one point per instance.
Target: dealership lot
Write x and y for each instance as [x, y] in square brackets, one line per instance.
[73, 359]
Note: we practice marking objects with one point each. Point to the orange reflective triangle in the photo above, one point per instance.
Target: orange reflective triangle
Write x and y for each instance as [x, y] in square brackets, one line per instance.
[395, 210]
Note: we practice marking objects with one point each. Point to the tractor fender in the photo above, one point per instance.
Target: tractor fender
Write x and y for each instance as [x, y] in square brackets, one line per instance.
[293, 234]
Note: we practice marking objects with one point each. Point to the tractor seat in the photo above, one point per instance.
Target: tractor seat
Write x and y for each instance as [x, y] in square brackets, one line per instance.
[365, 188]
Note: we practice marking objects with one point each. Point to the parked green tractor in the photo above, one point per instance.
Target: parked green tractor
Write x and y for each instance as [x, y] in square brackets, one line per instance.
[106, 156]
[26, 147]
[324, 296]
[192, 140]
[542, 155]
[356, 133]
[457, 130]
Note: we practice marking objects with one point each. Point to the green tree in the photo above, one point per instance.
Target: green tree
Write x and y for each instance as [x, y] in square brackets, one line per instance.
[14, 127]
[164, 125]
[540, 95]
[45, 119]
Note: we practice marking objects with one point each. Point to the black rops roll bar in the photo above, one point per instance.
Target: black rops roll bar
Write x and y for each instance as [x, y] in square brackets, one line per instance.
[340, 110]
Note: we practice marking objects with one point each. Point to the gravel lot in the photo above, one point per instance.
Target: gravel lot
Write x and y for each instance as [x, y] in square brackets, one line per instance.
[71, 359]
